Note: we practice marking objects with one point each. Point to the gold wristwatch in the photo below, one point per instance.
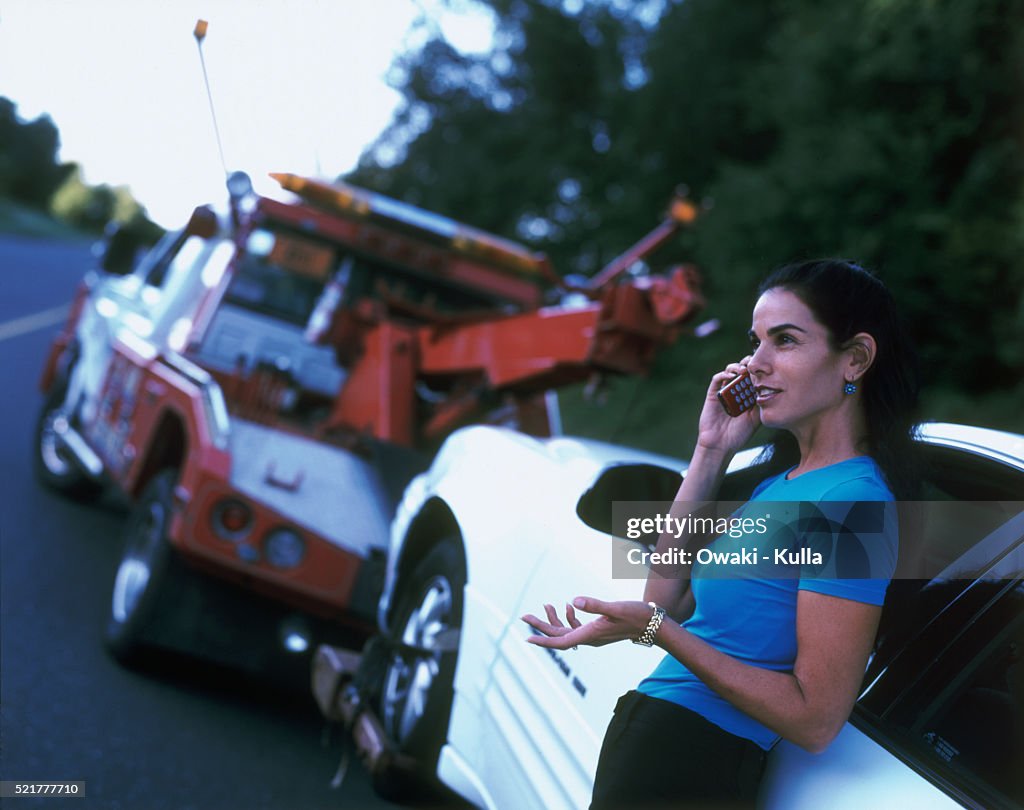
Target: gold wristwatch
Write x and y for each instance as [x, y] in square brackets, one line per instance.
[647, 636]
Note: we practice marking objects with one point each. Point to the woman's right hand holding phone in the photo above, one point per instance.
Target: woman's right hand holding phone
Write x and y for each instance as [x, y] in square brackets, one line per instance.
[718, 431]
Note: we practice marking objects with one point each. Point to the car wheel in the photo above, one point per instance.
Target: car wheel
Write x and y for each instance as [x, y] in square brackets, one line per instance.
[52, 465]
[147, 568]
[417, 688]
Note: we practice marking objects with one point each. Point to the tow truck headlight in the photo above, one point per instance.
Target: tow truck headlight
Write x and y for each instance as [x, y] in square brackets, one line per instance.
[284, 548]
[231, 519]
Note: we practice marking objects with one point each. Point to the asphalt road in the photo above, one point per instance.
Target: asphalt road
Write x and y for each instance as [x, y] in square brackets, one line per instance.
[176, 734]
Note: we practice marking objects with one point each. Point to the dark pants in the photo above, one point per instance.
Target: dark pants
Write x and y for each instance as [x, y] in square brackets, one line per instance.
[657, 754]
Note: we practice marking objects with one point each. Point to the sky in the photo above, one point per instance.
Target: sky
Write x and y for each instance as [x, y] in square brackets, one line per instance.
[298, 85]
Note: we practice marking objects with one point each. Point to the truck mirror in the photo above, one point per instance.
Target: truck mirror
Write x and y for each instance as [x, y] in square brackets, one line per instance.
[116, 252]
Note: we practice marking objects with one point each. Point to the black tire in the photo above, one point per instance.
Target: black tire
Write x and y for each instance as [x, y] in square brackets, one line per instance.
[52, 466]
[417, 687]
[148, 567]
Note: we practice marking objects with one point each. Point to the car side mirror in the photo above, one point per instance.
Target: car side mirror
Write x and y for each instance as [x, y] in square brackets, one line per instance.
[625, 482]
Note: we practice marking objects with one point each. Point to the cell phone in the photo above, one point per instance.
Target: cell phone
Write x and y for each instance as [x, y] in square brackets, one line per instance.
[737, 396]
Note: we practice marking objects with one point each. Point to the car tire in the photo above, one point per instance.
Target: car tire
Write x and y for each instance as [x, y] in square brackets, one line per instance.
[418, 683]
[148, 569]
[52, 466]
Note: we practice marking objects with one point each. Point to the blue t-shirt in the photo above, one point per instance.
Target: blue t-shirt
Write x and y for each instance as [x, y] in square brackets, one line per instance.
[749, 612]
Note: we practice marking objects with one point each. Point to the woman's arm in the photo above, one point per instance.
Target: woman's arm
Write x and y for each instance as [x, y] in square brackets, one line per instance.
[719, 436]
[669, 586]
[807, 706]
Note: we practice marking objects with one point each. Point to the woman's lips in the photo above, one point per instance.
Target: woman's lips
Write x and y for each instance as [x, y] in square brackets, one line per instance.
[765, 394]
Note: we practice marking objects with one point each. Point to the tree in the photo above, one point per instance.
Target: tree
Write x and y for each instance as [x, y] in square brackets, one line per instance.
[888, 132]
[31, 174]
[92, 207]
[522, 140]
[29, 170]
[898, 143]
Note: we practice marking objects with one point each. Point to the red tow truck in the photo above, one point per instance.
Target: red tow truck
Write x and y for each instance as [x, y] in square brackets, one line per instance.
[265, 381]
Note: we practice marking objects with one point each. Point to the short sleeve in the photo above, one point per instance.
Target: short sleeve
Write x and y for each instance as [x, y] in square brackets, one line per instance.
[868, 591]
[859, 544]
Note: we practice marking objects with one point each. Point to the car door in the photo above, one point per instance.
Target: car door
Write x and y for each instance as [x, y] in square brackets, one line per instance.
[942, 725]
[116, 303]
[549, 709]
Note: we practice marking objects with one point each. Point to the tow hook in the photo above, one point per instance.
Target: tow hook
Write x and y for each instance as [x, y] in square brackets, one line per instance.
[339, 699]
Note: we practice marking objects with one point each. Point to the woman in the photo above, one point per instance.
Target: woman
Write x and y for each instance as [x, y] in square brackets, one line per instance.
[753, 659]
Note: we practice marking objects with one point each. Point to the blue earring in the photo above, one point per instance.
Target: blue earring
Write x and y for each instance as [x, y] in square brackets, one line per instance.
[850, 388]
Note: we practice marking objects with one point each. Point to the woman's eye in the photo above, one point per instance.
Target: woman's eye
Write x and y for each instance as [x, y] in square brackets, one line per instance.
[784, 339]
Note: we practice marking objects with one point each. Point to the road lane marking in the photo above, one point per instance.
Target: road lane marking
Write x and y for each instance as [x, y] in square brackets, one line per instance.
[30, 323]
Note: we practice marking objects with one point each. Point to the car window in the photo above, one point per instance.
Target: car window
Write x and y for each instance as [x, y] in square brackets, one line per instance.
[963, 723]
[157, 272]
[964, 498]
[966, 501]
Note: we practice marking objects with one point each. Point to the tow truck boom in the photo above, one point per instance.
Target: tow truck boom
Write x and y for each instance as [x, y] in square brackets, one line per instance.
[416, 374]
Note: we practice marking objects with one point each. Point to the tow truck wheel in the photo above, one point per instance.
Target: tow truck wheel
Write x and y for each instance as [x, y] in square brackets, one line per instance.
[53, 468]
[147, 565]
[416, 696]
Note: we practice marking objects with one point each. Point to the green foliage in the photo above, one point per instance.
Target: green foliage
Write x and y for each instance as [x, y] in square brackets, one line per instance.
[29, 171]
[519, 141]
[900, 147]
[92, 207]
[30, 175]
[887, 131]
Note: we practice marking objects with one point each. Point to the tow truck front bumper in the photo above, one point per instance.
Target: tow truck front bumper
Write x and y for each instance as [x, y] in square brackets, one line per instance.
[76, 448]
[334, 682]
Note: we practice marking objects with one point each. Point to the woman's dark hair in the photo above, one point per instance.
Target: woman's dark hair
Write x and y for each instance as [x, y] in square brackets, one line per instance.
[847, 299]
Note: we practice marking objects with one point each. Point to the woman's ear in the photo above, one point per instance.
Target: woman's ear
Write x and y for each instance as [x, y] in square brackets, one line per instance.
[860, 351]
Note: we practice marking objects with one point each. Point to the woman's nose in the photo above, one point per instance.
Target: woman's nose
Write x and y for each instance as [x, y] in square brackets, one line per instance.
[757, 362]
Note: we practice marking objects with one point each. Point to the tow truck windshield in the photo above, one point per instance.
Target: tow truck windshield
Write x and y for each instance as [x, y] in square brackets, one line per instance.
[282, 276]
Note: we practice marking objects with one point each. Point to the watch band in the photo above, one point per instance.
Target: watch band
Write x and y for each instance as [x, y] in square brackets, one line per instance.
[646, 638]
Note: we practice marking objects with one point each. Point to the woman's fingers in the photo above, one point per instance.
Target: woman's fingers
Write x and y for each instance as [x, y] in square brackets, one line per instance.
[730, 372]
[614, 621]
[584, 634]
[719, 381]
[555, 642]
[592, 605]
[542, 626]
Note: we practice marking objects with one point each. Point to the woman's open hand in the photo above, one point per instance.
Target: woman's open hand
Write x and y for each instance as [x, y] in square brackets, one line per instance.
[615, 621]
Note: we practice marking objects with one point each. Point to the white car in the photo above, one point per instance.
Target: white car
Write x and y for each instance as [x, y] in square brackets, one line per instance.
[502, 523]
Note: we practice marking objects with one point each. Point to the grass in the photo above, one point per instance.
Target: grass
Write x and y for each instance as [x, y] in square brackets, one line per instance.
[659, 413]
[16, 218]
